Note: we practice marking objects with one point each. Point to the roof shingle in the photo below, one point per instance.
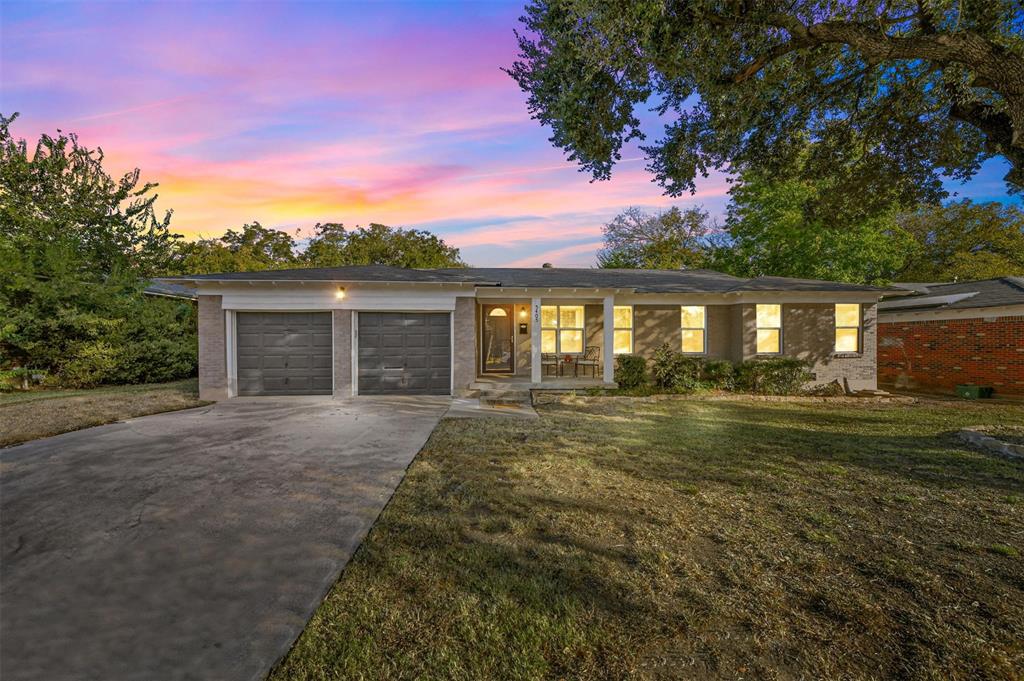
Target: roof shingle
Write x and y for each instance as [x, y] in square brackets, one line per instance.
[959, 295]
[643, 281]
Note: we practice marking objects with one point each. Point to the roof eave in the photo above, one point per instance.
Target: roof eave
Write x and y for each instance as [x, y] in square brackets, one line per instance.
[322, 281]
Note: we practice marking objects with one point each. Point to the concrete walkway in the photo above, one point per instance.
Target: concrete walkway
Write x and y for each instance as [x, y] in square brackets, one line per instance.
[194, 544]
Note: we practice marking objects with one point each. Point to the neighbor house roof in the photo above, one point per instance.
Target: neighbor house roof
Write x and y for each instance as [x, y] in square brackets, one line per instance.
[957, 295]
[167, 289]
[643, 281]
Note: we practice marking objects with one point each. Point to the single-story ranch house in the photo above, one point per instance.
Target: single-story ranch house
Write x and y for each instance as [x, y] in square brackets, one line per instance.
[386, 330]
[949, 334]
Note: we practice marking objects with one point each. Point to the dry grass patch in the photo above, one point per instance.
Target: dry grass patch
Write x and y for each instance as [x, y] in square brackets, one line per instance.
[689, 540]
[32, 415]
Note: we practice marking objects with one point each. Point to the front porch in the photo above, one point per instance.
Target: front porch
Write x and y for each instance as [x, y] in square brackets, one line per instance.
[512, 383]
[546, 344]
[511, 390]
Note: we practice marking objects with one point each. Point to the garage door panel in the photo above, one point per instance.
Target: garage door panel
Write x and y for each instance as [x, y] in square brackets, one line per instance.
[284, 353]
[298, 362]
[268, 361]
[417, 362]
[404, 353]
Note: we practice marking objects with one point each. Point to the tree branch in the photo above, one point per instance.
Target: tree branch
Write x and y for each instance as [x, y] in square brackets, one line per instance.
[763, 60]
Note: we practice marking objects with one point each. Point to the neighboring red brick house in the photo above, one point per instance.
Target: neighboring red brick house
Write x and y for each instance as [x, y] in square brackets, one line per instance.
[944, 335]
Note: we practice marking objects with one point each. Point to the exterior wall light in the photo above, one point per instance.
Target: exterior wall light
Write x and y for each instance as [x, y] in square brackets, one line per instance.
[340, 293]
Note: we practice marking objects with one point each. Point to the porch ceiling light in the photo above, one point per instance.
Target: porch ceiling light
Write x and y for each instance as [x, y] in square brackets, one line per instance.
[340, 293]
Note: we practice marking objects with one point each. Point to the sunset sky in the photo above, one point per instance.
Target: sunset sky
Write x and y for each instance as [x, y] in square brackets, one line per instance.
[292, 114]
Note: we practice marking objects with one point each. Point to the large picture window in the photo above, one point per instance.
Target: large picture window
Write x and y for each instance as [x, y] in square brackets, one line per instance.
[848, 327]
[561, 329]
[769, 329]
[623, 330]
[693, 322]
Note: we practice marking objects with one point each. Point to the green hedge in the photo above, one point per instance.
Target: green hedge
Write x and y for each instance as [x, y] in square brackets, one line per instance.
[630, 371]
[775, 376]
[672, 371]
[87, 335]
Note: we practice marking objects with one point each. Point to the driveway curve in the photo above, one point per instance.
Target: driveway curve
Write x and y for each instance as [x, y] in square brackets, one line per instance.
[193, 544]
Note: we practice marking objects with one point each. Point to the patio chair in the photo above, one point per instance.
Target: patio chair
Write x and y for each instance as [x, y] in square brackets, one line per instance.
[549, 360]
[591, 358]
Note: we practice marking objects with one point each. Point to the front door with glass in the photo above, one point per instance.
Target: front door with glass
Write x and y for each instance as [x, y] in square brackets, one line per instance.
[498, 349]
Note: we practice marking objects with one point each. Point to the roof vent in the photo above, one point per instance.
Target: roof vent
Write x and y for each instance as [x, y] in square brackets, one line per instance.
[547, 266]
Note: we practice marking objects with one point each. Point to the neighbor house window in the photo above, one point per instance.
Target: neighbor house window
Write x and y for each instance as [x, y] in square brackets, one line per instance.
[623, 332]
[847, 327]
[693, 320]
[769, 329]
[561, 329]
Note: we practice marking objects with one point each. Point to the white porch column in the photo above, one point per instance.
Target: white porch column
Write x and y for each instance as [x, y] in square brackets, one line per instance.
[535, 368]
[609, 339]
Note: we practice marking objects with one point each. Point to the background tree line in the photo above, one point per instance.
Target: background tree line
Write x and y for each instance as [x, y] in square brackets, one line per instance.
[809, 228]
[77, 248]
[841, 120]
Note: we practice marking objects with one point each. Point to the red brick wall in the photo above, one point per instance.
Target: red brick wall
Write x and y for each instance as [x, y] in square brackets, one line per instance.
[938, 355]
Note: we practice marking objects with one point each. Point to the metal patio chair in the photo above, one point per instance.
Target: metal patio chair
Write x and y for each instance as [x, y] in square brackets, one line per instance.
[591, 358]
[549, 360]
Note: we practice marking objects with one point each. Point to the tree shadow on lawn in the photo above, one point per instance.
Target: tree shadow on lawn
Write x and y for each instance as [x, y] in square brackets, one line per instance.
[737, 445]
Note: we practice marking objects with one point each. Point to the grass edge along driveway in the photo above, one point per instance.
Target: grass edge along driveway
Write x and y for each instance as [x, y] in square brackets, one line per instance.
[689, 539]
[32, 415]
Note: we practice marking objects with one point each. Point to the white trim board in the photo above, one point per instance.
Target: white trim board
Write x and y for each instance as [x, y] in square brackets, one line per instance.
[986, 313]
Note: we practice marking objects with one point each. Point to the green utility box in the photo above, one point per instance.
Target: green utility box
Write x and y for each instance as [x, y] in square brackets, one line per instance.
[974, 392]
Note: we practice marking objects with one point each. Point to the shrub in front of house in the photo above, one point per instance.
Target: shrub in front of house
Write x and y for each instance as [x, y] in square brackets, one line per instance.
[720, 374]
[671, 371]
[775, 376]
[675, 372]
[630, 371]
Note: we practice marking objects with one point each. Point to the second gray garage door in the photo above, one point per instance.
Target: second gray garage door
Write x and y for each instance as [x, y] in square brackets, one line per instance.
[284, 353]
[404, 353]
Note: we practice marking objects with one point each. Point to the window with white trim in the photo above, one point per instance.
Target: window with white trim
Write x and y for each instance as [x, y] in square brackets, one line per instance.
[561, 329]
[693, 329]
[848, 325]
[769, 329]
[623, 329]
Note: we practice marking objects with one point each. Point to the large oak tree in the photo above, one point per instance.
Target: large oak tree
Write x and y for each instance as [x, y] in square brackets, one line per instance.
[891, 88]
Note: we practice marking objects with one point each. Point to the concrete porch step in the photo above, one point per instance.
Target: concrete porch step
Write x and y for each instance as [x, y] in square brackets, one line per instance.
[505, 396]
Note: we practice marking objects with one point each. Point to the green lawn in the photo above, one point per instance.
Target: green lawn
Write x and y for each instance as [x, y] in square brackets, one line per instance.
[41, 413]
[689, 539]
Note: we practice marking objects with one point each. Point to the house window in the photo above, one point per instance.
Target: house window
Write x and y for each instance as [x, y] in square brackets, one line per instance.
[561, 329]
[769, 329]
[623, 330]
[848, 327]
[693, 320]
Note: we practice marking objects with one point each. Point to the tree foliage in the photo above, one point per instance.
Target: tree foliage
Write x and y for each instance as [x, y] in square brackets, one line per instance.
[668, 240]
[260, 248]
[76, 248]
[890, 88]
[962, 241]
[253, 248]
[334, 246]
[779, 228]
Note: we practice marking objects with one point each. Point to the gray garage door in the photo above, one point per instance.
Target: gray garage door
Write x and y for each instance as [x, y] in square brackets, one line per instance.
[404, 353]
[284, 353]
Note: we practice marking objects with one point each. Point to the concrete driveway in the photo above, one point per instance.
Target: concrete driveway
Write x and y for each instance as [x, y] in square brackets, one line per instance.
[194, 544]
